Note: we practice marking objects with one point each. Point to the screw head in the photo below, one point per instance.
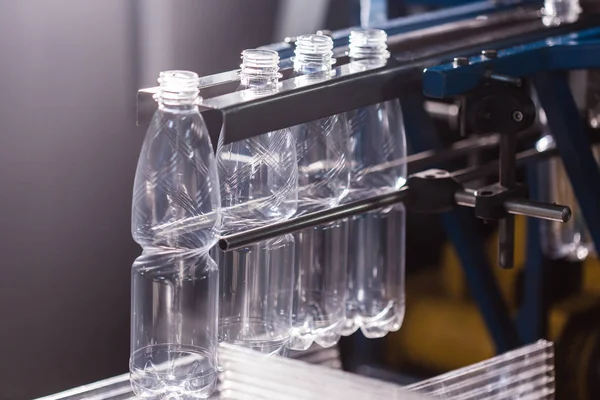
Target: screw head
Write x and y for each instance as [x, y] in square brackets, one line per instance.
[460, 62]
[325, 32]
[290, 40]
[489, 53]
[517, 116]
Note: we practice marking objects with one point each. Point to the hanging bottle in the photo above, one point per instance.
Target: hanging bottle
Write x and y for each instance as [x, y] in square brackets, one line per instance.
[323, 179]
[259, 186]
[571, 240]
[175, 213]
[377, 140]
[557, 12]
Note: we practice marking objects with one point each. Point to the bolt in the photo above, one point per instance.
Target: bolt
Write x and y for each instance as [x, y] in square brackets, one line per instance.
[517, 116]
[489, 54]
[325, 32]
[508, 79]
[291, 40]
[460, 62]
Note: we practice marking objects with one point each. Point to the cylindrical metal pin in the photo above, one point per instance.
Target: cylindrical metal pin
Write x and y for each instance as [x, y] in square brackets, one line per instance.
[528, 208]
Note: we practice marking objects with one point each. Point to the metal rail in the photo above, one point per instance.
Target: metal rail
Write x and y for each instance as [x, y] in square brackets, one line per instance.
[239, 116]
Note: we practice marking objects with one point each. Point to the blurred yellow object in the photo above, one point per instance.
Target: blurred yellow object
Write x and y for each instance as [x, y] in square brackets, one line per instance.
[444, 330]
[453, 277]
[591, 275]
[433, 335]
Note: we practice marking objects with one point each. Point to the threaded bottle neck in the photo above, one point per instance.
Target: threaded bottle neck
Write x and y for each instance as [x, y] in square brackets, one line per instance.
[314, 53]
[557, 12]
[260, 69]
[178, 88]
[368, 44]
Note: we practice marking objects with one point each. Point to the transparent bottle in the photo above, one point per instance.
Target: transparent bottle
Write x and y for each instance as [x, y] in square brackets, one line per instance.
[321, 252]
[375, 301]
[571, 240]
[556, 12]
[259, 185]
[175, 212]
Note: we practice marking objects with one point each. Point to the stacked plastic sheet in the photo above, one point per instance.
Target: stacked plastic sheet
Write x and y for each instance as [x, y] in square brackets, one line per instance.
[524, 373]
[119, 388]
[245, 376]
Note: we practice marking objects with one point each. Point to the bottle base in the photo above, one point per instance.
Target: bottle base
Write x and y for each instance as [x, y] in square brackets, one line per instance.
[266, 337]
[349, 326]
[388, 320]
[322, 333]
[374, 324]
[327, 339]
[172, 372]
[301, 342]
[572, 252]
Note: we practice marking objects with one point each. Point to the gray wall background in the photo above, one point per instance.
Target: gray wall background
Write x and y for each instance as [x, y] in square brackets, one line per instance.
[69, 70]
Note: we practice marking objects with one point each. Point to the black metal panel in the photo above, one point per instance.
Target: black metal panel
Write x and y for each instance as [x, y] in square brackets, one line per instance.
[299, 101]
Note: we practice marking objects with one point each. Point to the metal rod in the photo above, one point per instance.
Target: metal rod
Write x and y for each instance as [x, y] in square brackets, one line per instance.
[506, 242]
[506, 226]
[243, 239]
[481, 171]
[508, 171]
[429, 158]
[534, 209]
[550, 212]
[507, 79]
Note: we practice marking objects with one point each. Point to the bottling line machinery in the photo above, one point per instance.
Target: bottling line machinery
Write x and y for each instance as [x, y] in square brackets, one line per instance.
[487, 70]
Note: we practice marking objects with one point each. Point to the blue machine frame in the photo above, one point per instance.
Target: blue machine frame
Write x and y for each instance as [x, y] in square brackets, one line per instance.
[543, 62]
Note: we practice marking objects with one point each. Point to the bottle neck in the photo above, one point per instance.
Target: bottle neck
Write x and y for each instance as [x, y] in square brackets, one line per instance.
[169, 106]
[368, 45]
[178, 91]
[260, 70]
[557, 12]
[314, 54]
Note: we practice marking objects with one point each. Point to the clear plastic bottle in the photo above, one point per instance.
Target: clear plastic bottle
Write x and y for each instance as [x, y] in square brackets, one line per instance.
[175, 212]
[259, 185]
[375, 301]
[321, 252]
[556, 12]
[570, 240]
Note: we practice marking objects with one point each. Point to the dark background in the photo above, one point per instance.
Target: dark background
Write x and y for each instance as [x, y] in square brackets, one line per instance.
[69, 72]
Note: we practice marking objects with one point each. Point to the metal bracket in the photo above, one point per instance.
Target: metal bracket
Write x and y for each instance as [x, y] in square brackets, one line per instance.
[489, 200]
[432, 191]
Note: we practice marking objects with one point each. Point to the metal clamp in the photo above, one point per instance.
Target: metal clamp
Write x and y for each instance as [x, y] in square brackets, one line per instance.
[489, 200]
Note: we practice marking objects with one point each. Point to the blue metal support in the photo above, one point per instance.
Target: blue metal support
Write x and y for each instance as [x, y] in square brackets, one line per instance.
[579, 50]
[533, 315]
[574, 147]
[462, 232]
[542, 62]
[418, 21]
[373, 13]
[438, 3]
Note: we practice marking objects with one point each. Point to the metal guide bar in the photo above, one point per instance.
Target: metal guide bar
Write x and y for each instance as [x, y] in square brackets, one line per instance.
[401, 28]
[301, 100]
[480, 10]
